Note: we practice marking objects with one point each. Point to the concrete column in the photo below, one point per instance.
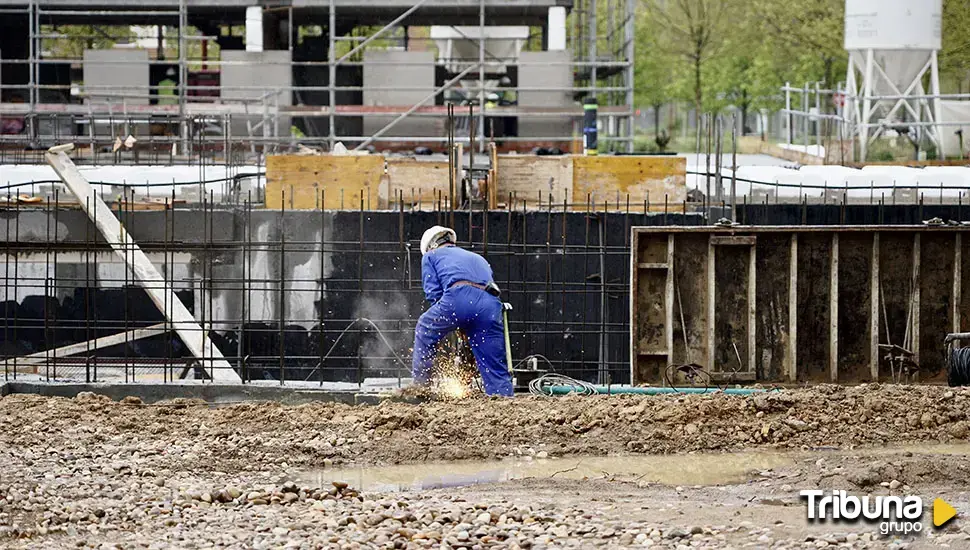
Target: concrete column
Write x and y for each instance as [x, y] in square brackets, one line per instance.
[254, 29]
[556, 33]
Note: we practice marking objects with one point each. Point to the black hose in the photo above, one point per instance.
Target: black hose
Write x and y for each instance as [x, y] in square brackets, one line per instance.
[958, 366]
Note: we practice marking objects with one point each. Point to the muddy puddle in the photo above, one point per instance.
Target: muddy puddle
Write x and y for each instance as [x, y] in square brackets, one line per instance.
[691, 469]
[680, 469]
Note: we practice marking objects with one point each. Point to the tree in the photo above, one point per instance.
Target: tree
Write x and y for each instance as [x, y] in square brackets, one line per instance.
[654, 70]
[693, 30]
[955, 56]
[806, 36]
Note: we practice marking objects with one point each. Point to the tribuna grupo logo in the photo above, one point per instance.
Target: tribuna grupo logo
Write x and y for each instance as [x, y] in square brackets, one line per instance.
[895, 514]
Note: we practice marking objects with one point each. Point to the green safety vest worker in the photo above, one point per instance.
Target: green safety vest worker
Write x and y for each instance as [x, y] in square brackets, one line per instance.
[491, 101]
[166, 90]
[509, 96]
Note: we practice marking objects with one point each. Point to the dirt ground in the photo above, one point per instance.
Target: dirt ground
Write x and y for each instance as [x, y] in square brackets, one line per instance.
[88, 472]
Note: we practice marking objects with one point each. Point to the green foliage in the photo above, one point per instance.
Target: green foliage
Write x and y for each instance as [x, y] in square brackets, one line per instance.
[72, 40]
[955, 57]
[717, 53]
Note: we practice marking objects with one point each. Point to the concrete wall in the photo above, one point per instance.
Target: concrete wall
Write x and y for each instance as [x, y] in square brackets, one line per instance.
[419, 79]
[369, 267]
[540, 74]
[109, 74]
[262, 72]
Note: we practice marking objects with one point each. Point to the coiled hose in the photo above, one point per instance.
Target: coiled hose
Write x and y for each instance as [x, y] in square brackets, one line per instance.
[957, 366]
[543, 385]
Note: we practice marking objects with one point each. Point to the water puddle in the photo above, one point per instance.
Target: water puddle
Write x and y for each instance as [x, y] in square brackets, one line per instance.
[690, 469]
[680, 469]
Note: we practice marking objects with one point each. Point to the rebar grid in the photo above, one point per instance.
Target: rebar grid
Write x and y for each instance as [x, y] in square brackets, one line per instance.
[282, 293]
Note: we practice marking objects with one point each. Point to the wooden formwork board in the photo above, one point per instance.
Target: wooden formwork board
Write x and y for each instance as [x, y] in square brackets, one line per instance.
[529, 177]
[642, 180]
[417, 181]
[795, 304]
[298, 182]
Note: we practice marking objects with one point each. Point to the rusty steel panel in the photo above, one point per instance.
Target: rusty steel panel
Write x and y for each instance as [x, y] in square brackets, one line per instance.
[796, 304]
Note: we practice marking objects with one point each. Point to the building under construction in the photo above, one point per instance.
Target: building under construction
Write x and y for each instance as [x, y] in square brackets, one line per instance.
[187, 76]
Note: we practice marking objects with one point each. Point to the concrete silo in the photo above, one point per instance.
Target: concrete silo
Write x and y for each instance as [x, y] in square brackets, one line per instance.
[893, 47]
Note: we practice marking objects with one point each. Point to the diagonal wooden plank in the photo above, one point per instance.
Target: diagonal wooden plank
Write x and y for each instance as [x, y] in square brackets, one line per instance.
[147, 276]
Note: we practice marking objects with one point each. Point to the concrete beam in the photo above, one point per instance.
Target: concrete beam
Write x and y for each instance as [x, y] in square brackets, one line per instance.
[148, 277]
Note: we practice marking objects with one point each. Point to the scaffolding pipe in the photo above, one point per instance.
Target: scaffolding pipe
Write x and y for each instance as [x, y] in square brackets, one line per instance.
[332, 71]
[381, 31]
[481, 78]
[413, 108]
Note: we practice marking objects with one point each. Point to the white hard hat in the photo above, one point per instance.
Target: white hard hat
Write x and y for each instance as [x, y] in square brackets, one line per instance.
[432, 237]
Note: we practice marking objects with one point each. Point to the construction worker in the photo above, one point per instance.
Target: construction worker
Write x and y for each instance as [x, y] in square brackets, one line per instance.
[459, 286]
[508, 95]
[491, 100]
[166, 89]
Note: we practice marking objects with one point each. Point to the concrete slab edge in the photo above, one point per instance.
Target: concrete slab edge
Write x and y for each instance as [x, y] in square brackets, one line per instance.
[210, 393]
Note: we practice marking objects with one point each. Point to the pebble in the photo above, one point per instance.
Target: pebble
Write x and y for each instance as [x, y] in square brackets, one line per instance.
[90, 473]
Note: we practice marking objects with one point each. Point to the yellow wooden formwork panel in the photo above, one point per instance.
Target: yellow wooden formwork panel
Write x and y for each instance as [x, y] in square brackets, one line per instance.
[420, 182]
[528, 177]
[299, 182]
[611, 180]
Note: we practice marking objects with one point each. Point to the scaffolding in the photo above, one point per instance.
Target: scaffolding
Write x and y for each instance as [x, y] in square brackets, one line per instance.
[200, 124]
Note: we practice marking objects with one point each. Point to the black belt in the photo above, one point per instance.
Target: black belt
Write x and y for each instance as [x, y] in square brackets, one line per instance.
[469, 283]
[490, 288]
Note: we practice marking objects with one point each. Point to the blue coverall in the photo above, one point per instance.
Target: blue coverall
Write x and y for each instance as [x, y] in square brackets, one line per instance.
[476, 312]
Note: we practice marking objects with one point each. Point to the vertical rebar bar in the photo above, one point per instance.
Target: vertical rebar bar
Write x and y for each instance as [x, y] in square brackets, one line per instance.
[402, 264]
[165, 275]
[524, 277]
[604, 345]
[582, 346]
[562, 275]
[169, 253]
[360, 288]
[282, 287]
[16, 280]
[247, 288]
[6, 293]
[545, 301]
[47, 294]
[56, 300]
[210, 281]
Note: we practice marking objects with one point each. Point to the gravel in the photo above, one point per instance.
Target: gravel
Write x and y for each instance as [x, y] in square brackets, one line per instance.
[87, 472]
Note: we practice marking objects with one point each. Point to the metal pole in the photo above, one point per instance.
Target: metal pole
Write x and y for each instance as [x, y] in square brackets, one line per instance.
[183, 75]
[629, 36]
[734, 168]
[381, 31]
[719, 143]
[289, 30]
[481, 75]
[707, 158]
[788, 133]
[818, 121]
[332, 66]
[413, 108]
[32, 54]
[805, 116]
[592, 47]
